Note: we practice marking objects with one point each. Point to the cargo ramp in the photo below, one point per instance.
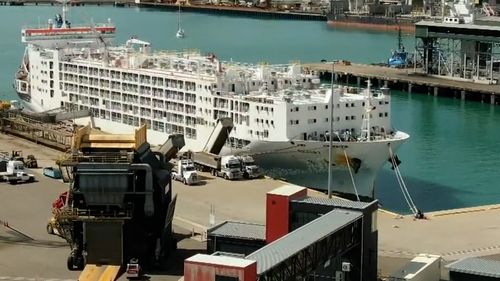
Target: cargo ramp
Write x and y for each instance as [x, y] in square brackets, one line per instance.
[93, 272]
[219, 135]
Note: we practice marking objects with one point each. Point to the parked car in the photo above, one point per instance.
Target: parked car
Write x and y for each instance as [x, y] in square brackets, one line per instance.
[52, 172]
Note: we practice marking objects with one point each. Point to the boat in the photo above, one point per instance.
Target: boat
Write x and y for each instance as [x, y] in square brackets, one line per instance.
[180, 30]
[280, 113]
[399, 57]
[378, 22]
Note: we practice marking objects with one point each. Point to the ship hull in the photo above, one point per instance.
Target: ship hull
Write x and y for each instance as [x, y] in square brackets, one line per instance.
[310, 158]
[372, 22]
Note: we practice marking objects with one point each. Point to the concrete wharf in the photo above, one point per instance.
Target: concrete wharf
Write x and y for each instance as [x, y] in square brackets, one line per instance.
[407, 80]
[43, 258]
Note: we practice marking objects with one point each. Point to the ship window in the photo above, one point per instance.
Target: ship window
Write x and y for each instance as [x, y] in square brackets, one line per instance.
[347, 118]
[346, 105]
[352, 104]
[386, 114]
[338, 118]
[363, 103]
[380, 114]
[326, 119]
[297, 122]
[272, 122]
[326, 106]
[353, 117]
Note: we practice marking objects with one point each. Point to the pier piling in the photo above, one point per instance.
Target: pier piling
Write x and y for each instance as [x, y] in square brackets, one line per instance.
[463, 94]
[436, 91]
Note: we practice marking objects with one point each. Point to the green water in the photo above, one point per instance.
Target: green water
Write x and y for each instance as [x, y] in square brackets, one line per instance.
[451, 159]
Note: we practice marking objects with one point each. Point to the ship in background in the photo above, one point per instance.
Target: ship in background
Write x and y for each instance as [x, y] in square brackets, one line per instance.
[376, 14]
[281, 113]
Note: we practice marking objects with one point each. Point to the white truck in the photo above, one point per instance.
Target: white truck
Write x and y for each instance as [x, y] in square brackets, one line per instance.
[228, 167]
[249, 169]
[15, 173]
[185, 172]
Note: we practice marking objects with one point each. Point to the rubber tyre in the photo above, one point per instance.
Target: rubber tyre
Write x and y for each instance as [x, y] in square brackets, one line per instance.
[184, 181]
[69, 263]
[80, 264]
[13, 182]
[225, 177]
[32, 179]
[50, 229]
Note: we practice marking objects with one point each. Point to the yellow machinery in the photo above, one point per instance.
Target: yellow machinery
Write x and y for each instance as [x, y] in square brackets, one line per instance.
[120, 187]
[4, 105]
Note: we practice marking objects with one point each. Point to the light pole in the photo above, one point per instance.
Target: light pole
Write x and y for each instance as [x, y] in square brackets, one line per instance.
[331, 136]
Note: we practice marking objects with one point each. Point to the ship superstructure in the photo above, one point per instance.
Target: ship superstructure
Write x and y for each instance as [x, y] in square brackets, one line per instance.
[280, 112]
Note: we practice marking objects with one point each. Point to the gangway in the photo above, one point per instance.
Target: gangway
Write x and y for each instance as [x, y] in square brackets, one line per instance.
[219, 135]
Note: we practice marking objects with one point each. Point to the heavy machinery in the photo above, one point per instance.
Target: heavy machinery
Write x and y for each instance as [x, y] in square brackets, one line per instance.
[15, 173]
[249, 169]
[208, 160]
[185, 172]
[228, 167]
[30, 161]
[119, 206]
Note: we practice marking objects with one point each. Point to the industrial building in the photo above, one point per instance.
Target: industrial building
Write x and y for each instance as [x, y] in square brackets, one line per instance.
[304, 237]
[464, 46]
[423, 267]
[474, 269]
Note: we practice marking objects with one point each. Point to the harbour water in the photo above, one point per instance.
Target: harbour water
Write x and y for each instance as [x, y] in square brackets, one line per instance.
[451, 159]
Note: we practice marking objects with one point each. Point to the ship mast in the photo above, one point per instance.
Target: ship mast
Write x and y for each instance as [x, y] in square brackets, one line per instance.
[330, 139]
[64, 11]
[368, 108]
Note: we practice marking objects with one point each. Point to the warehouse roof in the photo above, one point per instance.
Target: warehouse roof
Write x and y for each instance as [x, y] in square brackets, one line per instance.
[476, 266]
[284, 248]
[287, 190]
[219, 260]
[235, 229]
[336, 202]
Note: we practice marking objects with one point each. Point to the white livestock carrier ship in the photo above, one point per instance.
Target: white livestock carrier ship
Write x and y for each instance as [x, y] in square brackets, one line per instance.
[280, 112]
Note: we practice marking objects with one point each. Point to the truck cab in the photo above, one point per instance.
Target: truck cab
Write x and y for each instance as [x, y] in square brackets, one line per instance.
[186, 172]
[15, 173]
[249, 169]
[231, 167]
